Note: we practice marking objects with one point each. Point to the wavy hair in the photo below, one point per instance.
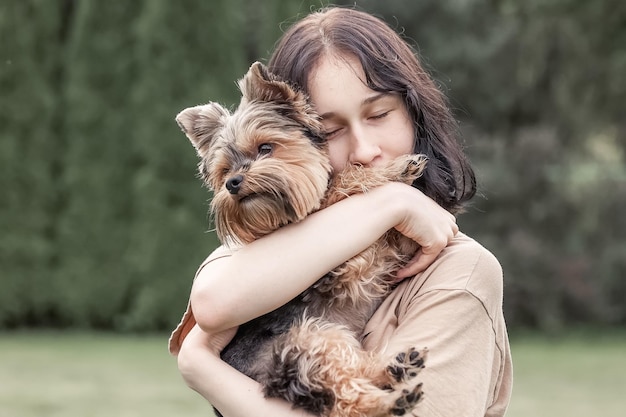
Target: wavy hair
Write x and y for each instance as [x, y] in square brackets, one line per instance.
[391, 65]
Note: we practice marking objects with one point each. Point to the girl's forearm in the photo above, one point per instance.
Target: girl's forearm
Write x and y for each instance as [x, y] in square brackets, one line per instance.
[224, 387]
[269, 272]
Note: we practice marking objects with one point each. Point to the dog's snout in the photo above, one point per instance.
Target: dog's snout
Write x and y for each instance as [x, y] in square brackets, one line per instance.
[233, 184]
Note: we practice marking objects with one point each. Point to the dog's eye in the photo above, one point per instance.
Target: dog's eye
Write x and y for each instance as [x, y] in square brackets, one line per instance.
[265, 149]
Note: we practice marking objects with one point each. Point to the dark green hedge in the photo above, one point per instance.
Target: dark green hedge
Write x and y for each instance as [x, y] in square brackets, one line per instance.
[102, 218]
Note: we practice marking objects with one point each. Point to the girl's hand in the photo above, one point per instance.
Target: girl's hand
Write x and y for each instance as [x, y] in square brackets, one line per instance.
[424, 221]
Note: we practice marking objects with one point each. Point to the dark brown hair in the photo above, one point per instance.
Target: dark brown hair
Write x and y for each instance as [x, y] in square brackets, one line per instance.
[390, 65]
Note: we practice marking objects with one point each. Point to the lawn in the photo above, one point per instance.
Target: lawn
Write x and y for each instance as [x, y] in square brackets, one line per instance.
[92, 375]
[96, 375]
[582, 374]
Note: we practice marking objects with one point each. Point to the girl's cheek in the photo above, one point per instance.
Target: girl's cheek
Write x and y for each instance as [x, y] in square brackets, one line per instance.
[338, 155]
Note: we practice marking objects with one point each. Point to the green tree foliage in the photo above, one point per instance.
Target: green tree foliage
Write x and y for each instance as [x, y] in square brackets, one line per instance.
[102, 218]
[103, 221]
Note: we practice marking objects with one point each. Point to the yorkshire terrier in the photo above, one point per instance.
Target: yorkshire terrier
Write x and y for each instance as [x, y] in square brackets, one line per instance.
[267, 165]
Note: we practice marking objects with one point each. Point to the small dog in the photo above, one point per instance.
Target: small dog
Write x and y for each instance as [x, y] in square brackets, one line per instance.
[267, 165]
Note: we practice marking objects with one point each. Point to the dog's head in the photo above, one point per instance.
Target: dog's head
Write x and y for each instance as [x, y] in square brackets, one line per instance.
[266, 162]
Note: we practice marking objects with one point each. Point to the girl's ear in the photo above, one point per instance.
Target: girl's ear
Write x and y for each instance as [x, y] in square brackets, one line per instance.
[201, 124]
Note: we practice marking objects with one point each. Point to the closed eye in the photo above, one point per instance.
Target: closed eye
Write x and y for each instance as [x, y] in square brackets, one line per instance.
[379, 115]
[332, 133]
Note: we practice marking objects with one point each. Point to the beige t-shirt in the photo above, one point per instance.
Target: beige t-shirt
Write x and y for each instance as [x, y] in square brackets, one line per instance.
[454, 308]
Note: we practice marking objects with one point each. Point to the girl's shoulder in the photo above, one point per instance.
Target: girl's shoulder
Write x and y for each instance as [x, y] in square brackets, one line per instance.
[464, 265]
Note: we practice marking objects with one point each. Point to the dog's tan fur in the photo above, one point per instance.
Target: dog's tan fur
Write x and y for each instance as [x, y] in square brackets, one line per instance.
[267, 165]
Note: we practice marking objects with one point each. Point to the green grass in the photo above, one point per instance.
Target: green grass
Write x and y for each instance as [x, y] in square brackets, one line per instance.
[92, 375]
[578, 375]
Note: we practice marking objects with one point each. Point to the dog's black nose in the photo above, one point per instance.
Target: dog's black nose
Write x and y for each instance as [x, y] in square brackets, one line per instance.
[233, 184]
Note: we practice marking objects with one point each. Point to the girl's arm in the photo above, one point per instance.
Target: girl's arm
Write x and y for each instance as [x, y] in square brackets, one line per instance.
[267, 273]
[228, 390]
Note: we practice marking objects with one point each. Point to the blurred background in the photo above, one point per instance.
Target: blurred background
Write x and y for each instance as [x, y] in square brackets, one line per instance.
[103, 221]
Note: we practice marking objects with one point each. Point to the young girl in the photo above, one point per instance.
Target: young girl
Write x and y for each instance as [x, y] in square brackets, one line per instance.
[376, 103]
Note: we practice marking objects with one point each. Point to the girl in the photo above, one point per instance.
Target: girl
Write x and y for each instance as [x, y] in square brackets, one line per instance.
[376, 103]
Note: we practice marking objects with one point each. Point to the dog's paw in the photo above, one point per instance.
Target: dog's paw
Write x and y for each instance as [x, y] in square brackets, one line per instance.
[407, 365]
[414, 167]
[407, 401]
[406, 168]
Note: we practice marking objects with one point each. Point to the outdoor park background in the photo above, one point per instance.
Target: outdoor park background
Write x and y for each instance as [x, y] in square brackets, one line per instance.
[103, 221]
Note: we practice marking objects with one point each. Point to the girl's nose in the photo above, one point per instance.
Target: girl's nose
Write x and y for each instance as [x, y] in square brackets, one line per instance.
[364, 149]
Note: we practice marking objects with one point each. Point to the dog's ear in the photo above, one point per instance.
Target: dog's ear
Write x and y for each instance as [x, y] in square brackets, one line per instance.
[260, 84]
[201, 124]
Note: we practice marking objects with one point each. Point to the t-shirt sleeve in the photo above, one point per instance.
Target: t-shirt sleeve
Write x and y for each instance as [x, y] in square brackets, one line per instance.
[188, 320]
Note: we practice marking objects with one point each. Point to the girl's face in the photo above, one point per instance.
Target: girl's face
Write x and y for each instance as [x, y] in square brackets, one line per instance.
[363, 126]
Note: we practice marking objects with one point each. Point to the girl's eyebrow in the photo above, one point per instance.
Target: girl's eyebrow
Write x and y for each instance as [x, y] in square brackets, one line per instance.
[368, 100]
[374, 98]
